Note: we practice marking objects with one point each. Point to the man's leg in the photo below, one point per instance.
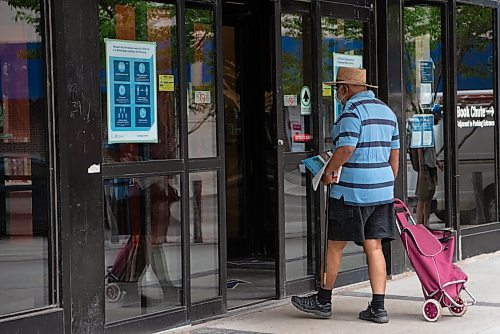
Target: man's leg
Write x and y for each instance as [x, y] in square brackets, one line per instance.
[334, 260]
[376, 265]
[320, 303]
[378, 279]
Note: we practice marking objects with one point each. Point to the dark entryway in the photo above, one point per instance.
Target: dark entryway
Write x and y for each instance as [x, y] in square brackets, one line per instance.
[250, 208]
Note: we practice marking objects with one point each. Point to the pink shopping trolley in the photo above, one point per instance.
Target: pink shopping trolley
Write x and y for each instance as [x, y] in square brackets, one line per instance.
[431, 252]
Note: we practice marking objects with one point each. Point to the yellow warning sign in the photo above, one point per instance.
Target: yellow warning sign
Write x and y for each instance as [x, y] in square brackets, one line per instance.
[327, 90]
[166, 82]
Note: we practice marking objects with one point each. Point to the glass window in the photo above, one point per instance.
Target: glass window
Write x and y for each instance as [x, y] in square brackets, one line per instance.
[425, 113]
[339, 37]
[25, 271]
[299, 231]
[202, 102]
[204, 228]
[152, 22]
[476, 114]
[142, 245]
[296, 60]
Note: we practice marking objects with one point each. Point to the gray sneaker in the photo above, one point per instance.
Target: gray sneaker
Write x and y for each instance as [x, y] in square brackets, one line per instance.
[378, 316]
[311, 304]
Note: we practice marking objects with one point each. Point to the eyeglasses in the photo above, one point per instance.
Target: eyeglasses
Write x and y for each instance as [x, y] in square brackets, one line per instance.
[337, 86]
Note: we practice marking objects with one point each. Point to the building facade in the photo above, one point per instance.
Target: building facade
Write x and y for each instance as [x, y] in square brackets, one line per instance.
[151, 174]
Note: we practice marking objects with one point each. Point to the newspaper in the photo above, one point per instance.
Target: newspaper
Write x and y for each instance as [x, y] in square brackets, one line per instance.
[317, 165]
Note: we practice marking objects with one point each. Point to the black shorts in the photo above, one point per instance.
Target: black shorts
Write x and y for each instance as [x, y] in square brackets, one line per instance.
[358, 223]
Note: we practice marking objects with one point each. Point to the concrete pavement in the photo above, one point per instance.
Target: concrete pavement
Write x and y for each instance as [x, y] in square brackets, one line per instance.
[404, 303]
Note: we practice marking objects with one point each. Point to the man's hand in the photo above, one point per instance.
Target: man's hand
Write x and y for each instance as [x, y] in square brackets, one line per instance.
[440, 165]
[329, 179]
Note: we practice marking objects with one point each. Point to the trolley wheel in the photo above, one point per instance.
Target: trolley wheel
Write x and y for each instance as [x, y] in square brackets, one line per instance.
[431, 310]
[113, 292]
[458, 311]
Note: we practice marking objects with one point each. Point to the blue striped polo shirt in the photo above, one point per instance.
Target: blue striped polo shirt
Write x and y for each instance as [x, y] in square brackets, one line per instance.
[371, 126]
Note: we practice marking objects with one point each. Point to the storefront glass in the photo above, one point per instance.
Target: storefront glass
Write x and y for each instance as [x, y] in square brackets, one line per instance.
[296, 65]
[25, 266]
[204, 235]
[475, 124]
[341, 44]
[142, 246]
[342, 40]
[143, 22]
[202, 99]
[142, 222]
[426, 113]
[296, 57]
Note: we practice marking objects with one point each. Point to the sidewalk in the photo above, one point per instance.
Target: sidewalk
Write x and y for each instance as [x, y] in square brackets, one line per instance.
[403, 301]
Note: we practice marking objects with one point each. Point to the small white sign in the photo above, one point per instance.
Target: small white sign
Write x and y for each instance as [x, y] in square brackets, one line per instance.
[305, 101]
[290, 100]
[202, 96]
[94, 169]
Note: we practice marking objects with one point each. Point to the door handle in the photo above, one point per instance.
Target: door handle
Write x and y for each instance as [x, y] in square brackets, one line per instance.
[280, 142]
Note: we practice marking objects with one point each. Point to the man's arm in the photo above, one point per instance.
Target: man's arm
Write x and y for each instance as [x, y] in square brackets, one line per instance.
[340, 157]
[394, 161]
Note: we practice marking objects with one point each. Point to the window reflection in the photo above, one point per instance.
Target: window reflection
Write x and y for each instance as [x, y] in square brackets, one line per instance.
[204, 236]
[297, 81]
[154, 22]
[425, 113]
[339, 36]
[25, 279]
[299, 231]
[475, 115]
[202, 130]
[142, 245]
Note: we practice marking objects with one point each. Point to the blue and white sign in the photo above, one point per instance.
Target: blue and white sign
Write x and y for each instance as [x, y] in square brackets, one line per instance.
[422, 131]
[426, 71]
[131, 86]
[343, 60]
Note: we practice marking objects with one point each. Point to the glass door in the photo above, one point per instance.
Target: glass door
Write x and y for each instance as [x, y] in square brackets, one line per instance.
[345, 41]
[297, 116]
[427, 113]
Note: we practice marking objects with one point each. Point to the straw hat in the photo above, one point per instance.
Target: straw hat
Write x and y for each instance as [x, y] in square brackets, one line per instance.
[350, 76]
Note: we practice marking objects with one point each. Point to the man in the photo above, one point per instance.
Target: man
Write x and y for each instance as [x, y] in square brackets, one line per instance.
[427, 176]
[366, 145]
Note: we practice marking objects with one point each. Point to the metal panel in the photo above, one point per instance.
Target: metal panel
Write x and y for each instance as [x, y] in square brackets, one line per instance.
[78, 116]
[222, 308]
[182, 53]
[351, 276]
[450, 137]
[142, 168]
[496, 72]
[207, 309]
[483, 3]
[52, 321]
[300, 286]
[280, 265]
[346, 11]
[153, 323]
[479, 240]
[389, 54]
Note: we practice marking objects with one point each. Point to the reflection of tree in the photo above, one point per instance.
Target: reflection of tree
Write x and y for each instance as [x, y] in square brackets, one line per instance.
[339, 35]
[420, 21]
[474, 33]
[28, 11]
